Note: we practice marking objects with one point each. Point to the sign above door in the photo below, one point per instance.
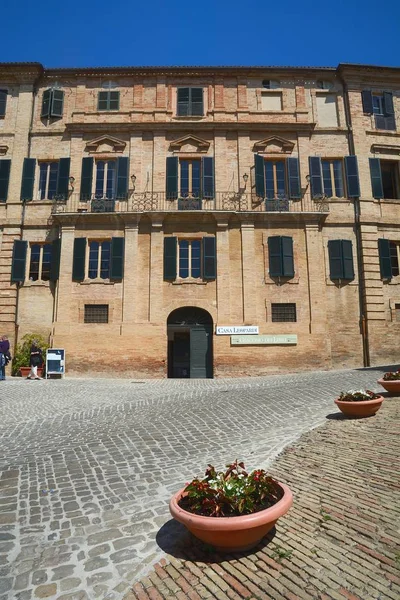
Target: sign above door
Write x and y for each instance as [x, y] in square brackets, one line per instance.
[237, 330]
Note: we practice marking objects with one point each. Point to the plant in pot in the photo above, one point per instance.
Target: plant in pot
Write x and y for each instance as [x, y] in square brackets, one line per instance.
[22, 354]
[359, 403]
[231, 510]
[391, 382]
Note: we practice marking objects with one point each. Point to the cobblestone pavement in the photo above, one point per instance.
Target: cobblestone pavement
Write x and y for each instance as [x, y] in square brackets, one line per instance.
[340, 540]
[88, 466]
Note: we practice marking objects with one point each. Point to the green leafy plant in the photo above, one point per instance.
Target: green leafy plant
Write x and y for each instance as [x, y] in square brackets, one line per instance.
[279, 554]
[22, 351]
[392, 376]
[358, 396]
[230, 493]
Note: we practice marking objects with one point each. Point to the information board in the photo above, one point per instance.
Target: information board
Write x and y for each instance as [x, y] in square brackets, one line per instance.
[55, 362]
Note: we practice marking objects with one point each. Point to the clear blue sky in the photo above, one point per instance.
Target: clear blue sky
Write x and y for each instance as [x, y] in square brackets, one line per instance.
[207, 32]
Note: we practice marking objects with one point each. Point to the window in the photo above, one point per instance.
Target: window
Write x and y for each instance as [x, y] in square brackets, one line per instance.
[280, 252]
[96, 313]
[283, 313]
[332, 173]
[3, 102]
[189, 259]
[190, 179]
[270, 84]
[390, 179]
[105, 183]
[52, 103]
[40, 262]
[397, 312]
[99, 259]
[48, 174]
[277, 180]
[389, 258]
[341, 260]
[395, 257]
[324, 85]
[108, 100]
[190, 102]
[380, 104]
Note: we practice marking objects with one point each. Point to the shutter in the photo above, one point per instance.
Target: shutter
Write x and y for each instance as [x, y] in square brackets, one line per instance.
[122, 177]
[46, 103]
[78, 265]
[103, 101]
[388, 103]
[294, 177]
[287, 256]
[86, 178]
[170, 246]
[182, 109]
[208, 177]
[197, 109]
[172, 177]
[18, 265]
[28, 178]
[5, 166]
[376, 177]
[260, 175]
[275, 256]
[57, 103]
[63, 178]
[3, 102]
[352, 180]
[55, 259]
[335, 259]
[315, 166]
[348, 264]
[385, 263]
[209, 258]
[366, 96]
[117, 258]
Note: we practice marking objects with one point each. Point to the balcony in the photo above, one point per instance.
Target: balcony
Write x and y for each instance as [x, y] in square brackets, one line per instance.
[159, 202]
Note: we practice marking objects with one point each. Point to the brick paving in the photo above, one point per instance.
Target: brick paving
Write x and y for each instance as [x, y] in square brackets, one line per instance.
[340, 540]
[88, 466]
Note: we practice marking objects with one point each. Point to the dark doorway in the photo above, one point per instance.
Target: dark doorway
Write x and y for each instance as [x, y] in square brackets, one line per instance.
[190, 332]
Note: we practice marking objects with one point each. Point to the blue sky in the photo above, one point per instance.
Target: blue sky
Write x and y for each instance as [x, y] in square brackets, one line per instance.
[218, 32]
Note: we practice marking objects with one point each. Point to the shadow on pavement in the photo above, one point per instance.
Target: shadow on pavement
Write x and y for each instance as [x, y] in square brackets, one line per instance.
[380, 368]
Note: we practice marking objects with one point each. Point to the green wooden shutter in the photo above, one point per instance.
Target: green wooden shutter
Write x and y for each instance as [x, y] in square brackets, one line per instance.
[294, 177]
[103, 101]
[208, 177]
[260, 175]
[46, 103]
[172, 177]
[5, 166]
[122, 177]
[209, 258]
[170, 247]
[200, 352]
[117, 258]
[18, 265]
[352, 180]
[315, 167]
[3, 102]
[183, 101]
[28, 178]
[287, 256]
[275, 256]
[63, 178]
[78, 265]
[348, 264]
[196, 102]
[366, 96]
[388, 103]
[335, 259]
[86, 178]
[55, 259]
[385, 262]
[376, 177]
[57, 103]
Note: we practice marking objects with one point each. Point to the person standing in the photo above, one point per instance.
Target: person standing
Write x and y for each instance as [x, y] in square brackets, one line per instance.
[36, 360]
[5, 356]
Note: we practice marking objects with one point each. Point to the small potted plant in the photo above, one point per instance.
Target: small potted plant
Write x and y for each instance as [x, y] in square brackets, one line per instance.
[231, 510]
[359, 403]
[391, 382]
[22, 354]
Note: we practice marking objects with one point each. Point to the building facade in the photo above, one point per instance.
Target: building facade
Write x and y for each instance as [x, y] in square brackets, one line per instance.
[201, 221]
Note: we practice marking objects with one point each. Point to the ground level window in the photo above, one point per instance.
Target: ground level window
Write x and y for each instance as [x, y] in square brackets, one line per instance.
[40, 262]
[99, 259]
[189, 259]
[283, 313]
[96, 313]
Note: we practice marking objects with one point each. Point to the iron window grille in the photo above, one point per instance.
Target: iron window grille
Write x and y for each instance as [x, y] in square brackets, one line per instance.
[283, 313]
[96, 313]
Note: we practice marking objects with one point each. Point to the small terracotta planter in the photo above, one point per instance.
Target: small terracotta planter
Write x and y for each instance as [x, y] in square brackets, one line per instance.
[24, 371]
[359, 410]
[393, 386]
[232, 534]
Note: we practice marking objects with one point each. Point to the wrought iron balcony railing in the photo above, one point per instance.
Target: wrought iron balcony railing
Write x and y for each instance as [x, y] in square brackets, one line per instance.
[159, 202]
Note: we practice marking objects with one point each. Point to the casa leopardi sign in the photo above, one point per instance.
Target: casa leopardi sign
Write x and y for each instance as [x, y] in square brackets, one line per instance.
[237, 330]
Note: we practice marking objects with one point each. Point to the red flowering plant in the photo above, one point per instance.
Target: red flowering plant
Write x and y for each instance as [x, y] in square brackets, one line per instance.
[392, 376]
[358, 396]
[230, 493]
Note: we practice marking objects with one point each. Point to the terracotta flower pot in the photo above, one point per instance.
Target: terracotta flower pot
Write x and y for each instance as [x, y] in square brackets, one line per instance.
[393, 387]
[232, 534]
[365, 408]
[24, 371]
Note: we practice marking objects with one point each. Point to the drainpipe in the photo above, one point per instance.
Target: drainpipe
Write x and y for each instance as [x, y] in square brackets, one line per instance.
[357, 228]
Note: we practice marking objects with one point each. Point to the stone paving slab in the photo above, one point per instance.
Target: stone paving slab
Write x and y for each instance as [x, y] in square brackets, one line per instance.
[340, 540]
[88, 466]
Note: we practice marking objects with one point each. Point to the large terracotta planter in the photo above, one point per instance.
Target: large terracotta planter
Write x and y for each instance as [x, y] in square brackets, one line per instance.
[393, 387]
[24, 371]
[232, 534]
[365, 408]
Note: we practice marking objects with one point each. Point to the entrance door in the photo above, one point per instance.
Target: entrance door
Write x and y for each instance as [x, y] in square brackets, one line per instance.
[200, 353]
[181, 355]
[190, 333]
